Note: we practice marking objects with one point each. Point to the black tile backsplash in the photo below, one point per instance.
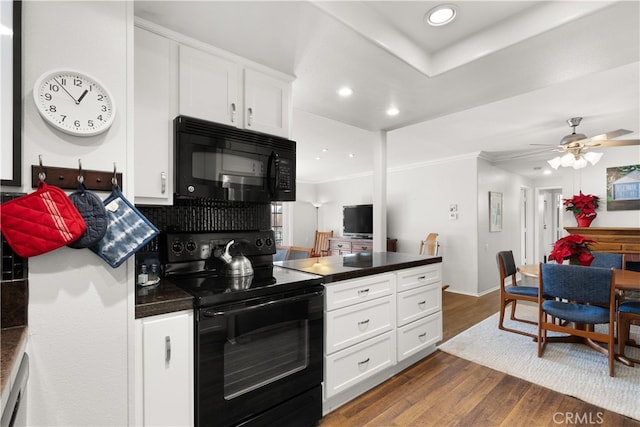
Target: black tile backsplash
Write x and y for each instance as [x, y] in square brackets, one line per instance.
[206, 215]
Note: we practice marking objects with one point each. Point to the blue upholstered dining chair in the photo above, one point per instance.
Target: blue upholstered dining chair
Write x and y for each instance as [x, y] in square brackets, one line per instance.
[628, 311]
[606, 260]
[573, 299]
[512, 293]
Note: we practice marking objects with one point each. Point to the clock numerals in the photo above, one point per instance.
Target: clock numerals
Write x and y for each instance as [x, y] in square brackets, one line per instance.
[74, 103]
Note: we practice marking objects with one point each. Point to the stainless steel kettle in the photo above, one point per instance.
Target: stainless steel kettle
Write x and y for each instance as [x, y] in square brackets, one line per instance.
[237, 266]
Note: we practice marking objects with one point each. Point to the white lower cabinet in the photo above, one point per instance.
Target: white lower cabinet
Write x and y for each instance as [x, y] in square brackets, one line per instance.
[419, 335]
[359, 362]
[376, 326]
[164, 370]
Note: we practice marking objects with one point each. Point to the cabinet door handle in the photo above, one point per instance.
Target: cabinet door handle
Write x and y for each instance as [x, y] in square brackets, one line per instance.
[163, 182]
[422, 336]
[364, 362]
[421, 304]
[363, 292]
[363, 324]
[422, 277]
[250, 117]
[167, 349]
[233, 112]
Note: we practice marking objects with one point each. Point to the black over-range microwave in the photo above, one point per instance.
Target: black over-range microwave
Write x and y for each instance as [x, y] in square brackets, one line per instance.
[220, 162]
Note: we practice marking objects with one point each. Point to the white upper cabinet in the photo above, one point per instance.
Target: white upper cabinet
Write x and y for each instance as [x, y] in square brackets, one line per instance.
[209, 87]
[224, 91]
[266, 103]
[155, 92]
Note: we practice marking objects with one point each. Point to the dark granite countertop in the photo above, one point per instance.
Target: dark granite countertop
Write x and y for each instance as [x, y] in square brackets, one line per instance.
[13, 342]
[165, 297]
[343, 267]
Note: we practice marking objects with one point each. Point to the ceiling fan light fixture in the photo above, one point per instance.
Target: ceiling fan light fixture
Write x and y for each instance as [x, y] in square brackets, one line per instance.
[554, 163]
[567, 160]
[440, 15]
[593, 157]
[580, 163]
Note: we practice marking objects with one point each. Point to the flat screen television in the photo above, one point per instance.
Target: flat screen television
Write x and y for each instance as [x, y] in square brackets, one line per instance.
[357, 221]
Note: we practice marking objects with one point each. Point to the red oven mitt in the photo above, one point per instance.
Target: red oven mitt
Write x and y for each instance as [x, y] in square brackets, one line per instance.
[40, 222]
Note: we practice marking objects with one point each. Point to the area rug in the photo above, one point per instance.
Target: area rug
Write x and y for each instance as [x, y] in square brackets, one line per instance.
[572, 369]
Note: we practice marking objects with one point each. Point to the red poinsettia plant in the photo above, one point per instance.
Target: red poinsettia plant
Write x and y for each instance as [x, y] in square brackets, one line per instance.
[575, 248]
[582, 204]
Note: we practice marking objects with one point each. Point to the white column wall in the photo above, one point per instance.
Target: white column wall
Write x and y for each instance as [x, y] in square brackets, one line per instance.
[80, 309]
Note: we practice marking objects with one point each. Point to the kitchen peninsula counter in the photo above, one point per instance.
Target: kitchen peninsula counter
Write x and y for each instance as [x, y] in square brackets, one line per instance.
[13, 342]
[165, 297]
[351, 266]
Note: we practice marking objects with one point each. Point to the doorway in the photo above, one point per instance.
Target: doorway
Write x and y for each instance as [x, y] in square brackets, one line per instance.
[548, 221]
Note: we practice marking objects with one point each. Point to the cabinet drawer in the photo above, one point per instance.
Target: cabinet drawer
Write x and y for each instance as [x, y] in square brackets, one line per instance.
[349, 292]
[348, 367]
[362, 246]
[418, 335]
[419, 302]
[418, 276]
[342, 245]
[351, 325]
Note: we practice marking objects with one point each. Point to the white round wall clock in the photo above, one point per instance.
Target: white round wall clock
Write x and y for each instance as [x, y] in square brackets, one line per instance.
[74, 103]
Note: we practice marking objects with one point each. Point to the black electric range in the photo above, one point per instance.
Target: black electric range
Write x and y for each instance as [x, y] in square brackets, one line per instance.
[193, 262]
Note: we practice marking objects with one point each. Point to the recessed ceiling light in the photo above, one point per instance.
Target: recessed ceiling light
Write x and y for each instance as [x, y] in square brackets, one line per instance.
[317, 158]
[324, 150]
[546, 172]
[345, 91]
[440, 15]
[352, 155]
[393, 111]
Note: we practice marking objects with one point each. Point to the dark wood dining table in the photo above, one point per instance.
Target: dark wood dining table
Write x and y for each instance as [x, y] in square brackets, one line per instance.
[623, 280]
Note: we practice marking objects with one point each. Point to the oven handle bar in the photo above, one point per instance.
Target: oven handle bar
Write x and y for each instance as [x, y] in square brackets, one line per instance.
[210, 313]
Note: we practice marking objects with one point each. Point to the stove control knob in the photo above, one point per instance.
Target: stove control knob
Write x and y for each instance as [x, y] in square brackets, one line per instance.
[258, 242]
[177, 247]
[191, 246]
[269, 242]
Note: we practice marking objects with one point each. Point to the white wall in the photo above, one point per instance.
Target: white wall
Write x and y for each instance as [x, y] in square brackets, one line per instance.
[592, 180]
[303, 213]
[80, 309]
[336, 194]
[491, 178]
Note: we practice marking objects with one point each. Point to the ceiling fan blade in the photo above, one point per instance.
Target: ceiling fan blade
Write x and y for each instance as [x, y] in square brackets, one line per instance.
[614, 143]
[608, 135]
[546, 145]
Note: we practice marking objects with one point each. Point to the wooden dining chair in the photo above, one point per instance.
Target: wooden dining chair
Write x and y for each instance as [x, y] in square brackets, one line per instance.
[628, 313]
[321, 243]
[430, 245]
[281, 253]
[572, 300]
[513, 292]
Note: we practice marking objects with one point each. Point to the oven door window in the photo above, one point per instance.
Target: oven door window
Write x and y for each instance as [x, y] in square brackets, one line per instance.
[256, 357]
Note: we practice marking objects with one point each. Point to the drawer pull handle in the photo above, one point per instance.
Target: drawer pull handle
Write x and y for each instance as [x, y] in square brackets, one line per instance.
[421, 304]
[363, 292]
[422, 277]
[363, 324]
[167, 349]
[423, 337]
[363, 247]
[364, 362]
[339, 246]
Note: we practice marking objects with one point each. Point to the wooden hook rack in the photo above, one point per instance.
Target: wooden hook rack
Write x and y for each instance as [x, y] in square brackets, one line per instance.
[67, 178]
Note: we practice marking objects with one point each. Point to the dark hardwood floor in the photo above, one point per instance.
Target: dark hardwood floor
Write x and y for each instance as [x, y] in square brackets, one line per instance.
[444, 390]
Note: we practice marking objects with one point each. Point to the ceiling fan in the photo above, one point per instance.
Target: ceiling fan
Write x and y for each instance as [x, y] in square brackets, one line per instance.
[575, 146]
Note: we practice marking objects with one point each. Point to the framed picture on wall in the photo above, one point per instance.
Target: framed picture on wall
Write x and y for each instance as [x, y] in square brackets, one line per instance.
[495, 211]
[623, 188]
